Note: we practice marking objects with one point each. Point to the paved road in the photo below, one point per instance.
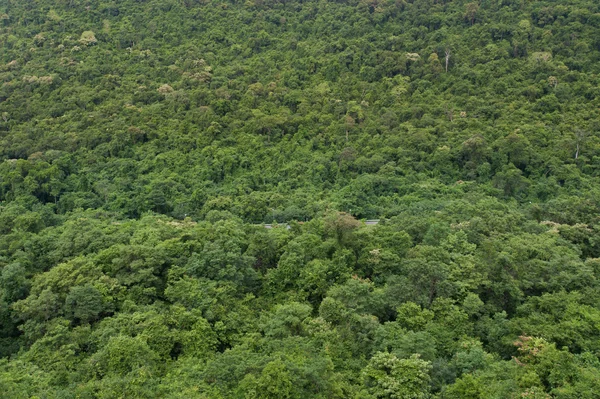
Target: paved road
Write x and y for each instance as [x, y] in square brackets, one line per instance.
[371, 222]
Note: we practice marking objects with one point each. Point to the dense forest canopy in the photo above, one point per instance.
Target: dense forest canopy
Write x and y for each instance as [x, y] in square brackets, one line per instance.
[144, 143]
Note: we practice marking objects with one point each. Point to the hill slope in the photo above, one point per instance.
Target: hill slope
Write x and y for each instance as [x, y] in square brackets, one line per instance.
[142, 144]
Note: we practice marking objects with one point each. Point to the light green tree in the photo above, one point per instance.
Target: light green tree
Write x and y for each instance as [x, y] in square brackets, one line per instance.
[388, 377]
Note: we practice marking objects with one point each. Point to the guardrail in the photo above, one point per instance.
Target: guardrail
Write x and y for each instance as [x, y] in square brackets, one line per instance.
[370, 222]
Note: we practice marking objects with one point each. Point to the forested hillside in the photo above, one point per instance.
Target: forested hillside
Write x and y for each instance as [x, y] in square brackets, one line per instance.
[143, 144]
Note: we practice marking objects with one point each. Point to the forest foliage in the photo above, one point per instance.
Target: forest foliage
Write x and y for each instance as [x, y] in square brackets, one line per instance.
[144, 143]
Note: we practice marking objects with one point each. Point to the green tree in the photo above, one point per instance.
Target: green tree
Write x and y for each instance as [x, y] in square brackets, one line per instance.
[84, 304]
[386, 376]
